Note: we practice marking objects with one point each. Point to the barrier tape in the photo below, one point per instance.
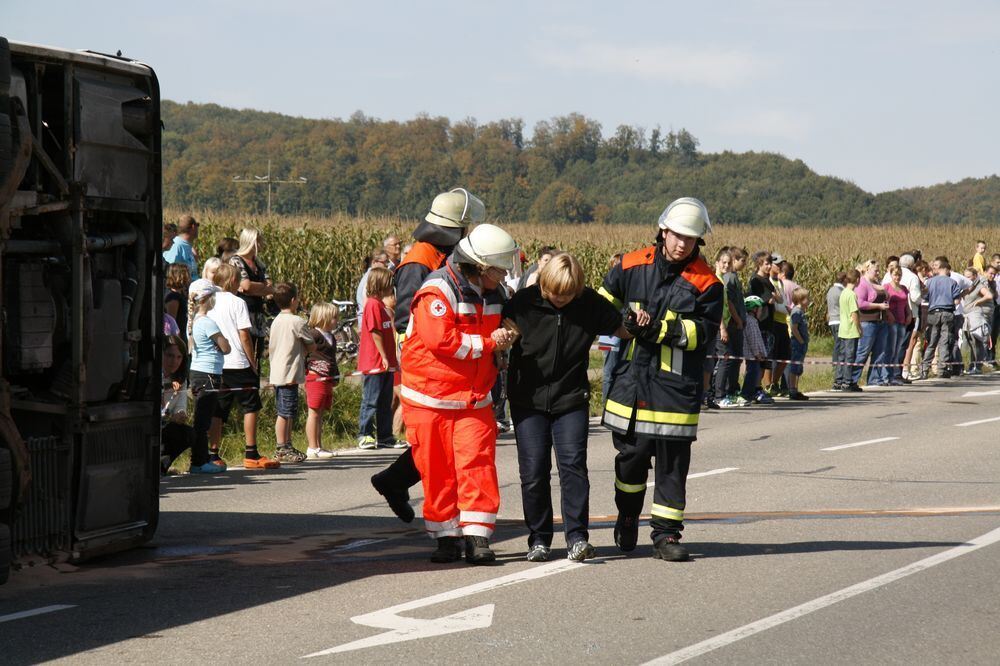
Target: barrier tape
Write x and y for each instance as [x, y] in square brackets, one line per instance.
[266, 387]
[823, 362]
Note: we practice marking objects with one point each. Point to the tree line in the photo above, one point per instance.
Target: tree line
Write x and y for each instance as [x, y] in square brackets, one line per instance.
[565, 171]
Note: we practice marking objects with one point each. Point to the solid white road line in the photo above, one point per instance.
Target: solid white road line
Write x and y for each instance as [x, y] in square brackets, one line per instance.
[711, 472]
[748, 630]
[864, 443]
[972, 423]
[37, 611]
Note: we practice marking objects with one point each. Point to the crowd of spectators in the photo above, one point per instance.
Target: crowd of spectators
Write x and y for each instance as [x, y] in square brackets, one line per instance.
[891, 322]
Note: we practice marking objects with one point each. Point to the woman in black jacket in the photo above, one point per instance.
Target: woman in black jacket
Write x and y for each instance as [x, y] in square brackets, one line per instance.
[549, 392]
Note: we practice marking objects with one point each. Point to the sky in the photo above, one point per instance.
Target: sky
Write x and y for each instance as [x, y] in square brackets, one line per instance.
[884, 94]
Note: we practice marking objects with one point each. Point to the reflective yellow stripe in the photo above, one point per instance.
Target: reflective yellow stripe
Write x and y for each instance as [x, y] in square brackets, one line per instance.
[691, 332]
[611, 297]
[667, 318]
[661, 511]
[672, 418]
[629, 487]
[666, 354]
[631, 350]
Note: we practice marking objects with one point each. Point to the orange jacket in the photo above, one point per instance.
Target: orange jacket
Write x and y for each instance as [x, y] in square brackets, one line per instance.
[448, 360]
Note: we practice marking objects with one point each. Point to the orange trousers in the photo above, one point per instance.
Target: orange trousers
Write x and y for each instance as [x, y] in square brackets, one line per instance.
[455, 451]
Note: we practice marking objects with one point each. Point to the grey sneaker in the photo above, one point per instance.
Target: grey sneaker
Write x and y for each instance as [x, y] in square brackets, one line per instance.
[538, 553]
[288, 454]
[580, 551]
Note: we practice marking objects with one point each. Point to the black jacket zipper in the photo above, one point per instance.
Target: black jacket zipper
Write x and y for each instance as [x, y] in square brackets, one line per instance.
[555, 361]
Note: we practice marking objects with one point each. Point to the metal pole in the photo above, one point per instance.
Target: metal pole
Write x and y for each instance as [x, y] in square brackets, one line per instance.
[260, 180]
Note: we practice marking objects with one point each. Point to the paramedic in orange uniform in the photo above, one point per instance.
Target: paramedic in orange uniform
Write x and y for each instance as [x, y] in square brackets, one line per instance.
[449, 367]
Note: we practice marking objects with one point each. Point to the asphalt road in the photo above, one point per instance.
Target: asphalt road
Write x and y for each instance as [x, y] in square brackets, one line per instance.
[806, 550]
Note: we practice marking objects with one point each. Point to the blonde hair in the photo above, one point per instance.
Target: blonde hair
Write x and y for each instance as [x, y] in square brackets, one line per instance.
[211, 264]
[248, 241]
[379, 282]
[323, 316]
[195, 301]
[562, 276]
[868, 264]
[799, 294]
[226, 277]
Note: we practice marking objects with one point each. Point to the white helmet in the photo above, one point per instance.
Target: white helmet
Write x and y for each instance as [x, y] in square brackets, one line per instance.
[456, 209]
[489, 245]
[687, 216]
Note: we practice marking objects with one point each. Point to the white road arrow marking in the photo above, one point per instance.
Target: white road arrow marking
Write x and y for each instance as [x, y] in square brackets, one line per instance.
[408, 628]
[978, 394]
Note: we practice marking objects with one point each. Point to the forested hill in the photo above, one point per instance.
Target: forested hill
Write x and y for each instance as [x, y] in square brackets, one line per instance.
[970, 201]
[564, 170]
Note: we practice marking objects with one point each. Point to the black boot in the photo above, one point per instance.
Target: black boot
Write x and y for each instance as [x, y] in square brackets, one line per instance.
[626, 532]
[477, 550]
[669, 549]
[449, 550]
[398, 499]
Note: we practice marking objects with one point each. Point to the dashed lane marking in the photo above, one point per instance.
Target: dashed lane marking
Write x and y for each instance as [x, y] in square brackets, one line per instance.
[37, 611]
[711, 472]
[738, 634]
[972, 423]
[864, 443]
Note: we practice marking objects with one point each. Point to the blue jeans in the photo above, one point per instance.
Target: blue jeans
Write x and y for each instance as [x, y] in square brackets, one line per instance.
[612, 358]
[537, 433]
[898, 339]
[874, 335]
[751, 380]
[838, 344]
[844, 374]
[376, 408]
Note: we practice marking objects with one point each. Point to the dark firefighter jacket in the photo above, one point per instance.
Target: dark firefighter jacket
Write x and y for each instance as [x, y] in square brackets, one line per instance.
[428, 254]
[657, 388]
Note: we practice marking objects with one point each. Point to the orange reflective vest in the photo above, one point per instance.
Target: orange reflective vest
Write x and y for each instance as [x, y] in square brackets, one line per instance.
[447, 361]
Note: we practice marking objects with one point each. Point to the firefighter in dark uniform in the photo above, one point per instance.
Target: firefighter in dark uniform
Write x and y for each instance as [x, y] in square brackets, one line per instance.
[671, 299]
[444, 225]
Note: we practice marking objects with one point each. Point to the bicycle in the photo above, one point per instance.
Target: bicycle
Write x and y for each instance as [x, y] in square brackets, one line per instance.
[346, 333]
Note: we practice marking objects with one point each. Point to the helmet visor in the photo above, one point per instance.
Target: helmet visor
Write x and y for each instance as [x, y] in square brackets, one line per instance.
[507, 261]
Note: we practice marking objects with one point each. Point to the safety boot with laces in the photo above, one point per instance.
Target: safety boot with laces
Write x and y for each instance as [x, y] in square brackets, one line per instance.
[626, 533]
[669, 549]
[449, 550]
[477, 550]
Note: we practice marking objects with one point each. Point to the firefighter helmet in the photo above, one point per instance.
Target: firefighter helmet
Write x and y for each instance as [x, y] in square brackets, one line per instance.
[686, 216]
[489, 245]
[456, 208]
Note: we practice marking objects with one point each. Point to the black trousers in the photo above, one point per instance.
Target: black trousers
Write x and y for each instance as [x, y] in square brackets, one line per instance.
[537, 433]
[673, 458]
[175, 439]
[401, 474]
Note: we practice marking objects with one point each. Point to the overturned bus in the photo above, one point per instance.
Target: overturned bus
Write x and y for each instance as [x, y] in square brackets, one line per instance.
[80, 290]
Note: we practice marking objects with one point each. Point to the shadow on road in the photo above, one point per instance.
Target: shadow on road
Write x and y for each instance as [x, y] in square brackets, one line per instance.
[701, 549]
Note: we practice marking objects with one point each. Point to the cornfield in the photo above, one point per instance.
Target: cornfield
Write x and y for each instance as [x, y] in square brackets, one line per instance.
[324, 257]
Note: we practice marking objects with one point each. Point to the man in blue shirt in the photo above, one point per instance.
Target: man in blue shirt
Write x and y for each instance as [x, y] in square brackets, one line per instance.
[942, 294]
[182, 250]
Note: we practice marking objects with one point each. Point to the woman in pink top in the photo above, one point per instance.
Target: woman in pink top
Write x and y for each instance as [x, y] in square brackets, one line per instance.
[872, 305]
[900, 317]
